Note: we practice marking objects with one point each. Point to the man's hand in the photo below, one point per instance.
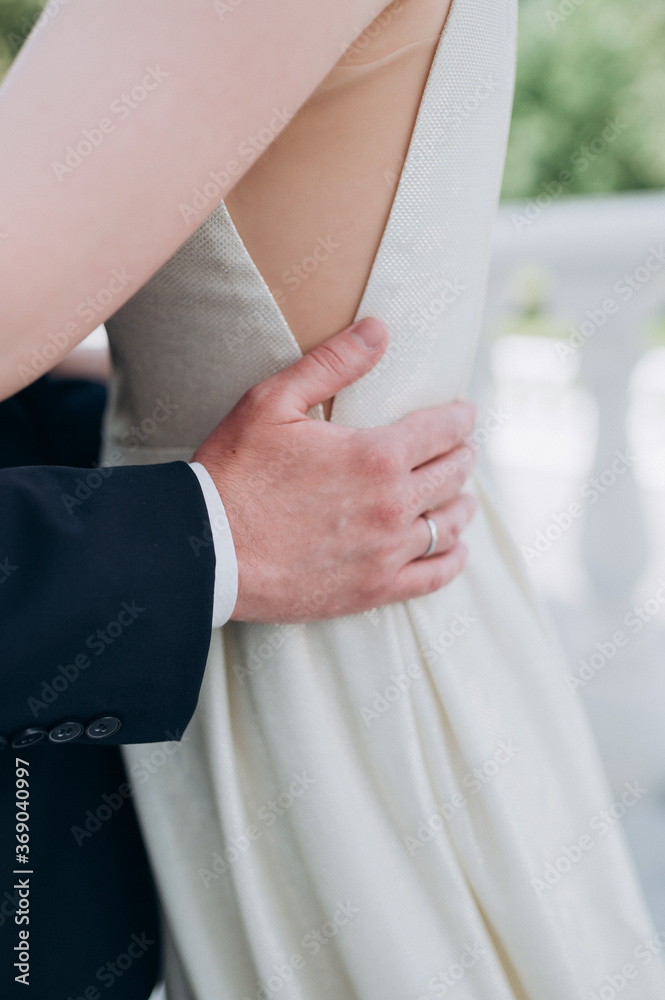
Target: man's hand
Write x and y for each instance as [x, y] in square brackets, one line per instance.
[326, 519]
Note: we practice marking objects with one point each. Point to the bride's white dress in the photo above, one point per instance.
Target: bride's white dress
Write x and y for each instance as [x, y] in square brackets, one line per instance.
[400, 804]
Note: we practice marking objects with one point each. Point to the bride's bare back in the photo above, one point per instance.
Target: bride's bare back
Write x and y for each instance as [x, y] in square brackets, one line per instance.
[312, 209]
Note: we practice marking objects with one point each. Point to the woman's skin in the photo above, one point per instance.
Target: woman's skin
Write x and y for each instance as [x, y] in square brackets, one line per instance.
[312, 210]
[167, 92]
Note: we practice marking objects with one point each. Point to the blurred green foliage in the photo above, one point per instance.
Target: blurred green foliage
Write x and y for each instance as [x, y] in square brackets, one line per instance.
[581, 63]
[16, 19]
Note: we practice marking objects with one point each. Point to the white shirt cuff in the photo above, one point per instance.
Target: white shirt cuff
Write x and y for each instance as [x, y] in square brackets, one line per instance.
[226, 564]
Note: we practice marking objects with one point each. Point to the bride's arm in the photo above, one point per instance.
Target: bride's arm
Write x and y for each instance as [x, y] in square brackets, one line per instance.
[111, 116]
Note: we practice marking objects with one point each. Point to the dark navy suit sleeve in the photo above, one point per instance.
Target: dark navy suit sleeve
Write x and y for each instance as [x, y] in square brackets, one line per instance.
[105, 611]
[106, 591]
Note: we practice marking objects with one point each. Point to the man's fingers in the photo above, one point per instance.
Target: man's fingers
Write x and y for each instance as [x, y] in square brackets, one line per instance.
[426, 434]
[450, 521]
[423, 576]
[438, 481]
[329, 367]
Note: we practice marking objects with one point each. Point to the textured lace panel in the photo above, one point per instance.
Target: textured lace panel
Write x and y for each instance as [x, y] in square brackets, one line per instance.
[312, 210]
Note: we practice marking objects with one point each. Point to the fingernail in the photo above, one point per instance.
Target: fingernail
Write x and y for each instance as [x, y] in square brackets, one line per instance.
[368, 332]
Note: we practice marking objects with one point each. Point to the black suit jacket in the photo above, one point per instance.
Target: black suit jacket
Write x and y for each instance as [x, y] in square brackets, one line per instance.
[106, 589]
